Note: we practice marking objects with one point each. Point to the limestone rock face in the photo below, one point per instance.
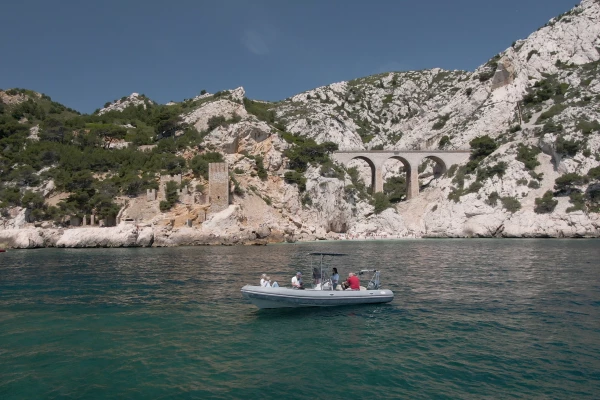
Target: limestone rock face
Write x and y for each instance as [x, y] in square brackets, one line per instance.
[134, 99]
[21, 238]
[239, 137]
[11, 99]
[120, 236]
[225, 108]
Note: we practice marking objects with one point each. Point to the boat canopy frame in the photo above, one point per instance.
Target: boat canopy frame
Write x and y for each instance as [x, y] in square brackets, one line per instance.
[323, 268]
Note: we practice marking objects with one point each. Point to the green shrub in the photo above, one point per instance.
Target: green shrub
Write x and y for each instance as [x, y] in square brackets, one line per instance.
[237, 189]
[565, 184]
[220, 120]
[444, 141]
[260, 110]
[586, 152]
[238, 171]
[164, 206]
[587, 127]
[307, 151]
[441, 122]
[546, 204]
[492, 199]
[531, 54]
[380, 202]
[545, 89]
[567, 147]
[535, 176]
[578, 201]
[594, 173]
[533, 184]
[481, 147]
[357, 183]
[515, 128]
[452, 170]
[486, 75]
[260, 168]
[395, 189]
[331, 170]
[488, 172]
[295, 177]
[551, 127]
[511, 204]
[456, 193]
[551, 112]
[592, 194]
[522, 181]
[199, 164]
[528, 156]
[306, 200]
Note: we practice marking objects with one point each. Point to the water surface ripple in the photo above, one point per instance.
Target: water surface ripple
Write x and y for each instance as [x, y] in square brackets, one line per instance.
[471, 319]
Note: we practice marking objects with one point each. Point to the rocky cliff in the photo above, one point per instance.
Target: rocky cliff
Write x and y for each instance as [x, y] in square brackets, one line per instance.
[536, 106]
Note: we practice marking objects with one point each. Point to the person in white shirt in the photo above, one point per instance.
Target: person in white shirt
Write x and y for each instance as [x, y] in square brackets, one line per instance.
[262, 279]
[267, 282]
[297, 281]
[335, 278]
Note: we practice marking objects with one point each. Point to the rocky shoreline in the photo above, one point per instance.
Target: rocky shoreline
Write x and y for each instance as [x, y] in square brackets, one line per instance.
[147, 236]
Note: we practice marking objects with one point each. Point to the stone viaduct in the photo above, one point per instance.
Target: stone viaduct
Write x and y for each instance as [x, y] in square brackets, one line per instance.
[411, 160]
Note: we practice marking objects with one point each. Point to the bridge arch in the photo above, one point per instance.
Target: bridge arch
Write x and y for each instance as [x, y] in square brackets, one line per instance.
[372, 166]
[440, 166]
[411, 171]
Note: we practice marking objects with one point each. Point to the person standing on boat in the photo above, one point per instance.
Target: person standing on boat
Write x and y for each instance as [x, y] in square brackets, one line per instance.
[352, 283]
[335, 278]
[317, 275]
[297, 281]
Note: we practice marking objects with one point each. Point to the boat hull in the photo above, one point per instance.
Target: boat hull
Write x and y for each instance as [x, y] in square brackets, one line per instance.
[284, 297]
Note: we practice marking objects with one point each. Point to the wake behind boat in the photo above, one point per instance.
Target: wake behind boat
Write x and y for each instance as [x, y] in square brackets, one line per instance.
[323, 294]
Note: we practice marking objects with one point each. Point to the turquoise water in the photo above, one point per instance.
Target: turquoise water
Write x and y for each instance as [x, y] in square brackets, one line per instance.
[471, 319]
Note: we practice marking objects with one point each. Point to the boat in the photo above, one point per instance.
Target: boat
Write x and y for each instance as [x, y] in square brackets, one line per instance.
[322, 293]
[2, 250]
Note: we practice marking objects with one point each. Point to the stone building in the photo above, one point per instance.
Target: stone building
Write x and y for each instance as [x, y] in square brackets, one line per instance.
[218, 186]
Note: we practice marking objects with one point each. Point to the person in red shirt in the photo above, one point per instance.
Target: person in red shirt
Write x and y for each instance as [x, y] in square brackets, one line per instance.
[353, 283]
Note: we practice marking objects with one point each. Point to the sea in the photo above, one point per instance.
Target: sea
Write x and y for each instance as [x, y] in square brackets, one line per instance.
[471, 319]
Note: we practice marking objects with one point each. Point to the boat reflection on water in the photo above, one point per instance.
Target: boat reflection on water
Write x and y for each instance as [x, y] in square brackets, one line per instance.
[322, 294]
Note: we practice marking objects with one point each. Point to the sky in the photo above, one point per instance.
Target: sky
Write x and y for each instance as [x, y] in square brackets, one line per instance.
[84, 53]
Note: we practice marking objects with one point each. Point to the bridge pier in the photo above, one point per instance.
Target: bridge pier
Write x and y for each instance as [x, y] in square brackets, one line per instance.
[412, 182]
[378, 186]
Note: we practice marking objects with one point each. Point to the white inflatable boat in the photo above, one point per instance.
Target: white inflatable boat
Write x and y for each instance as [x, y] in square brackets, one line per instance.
[322, 294]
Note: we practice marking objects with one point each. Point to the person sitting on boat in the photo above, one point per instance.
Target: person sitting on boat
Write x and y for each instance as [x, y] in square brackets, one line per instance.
[297, 281]
[352, 283]
[335, 278]
[267, 282]
[262, 279]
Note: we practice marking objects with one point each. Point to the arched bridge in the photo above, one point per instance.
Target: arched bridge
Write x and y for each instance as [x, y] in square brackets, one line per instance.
[411, 160]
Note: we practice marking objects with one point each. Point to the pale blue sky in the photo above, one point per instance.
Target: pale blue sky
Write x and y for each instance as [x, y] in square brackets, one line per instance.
[85, 53]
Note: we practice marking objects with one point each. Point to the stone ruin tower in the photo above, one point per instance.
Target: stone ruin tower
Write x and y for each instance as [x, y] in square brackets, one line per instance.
[218, 186]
